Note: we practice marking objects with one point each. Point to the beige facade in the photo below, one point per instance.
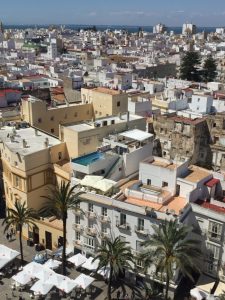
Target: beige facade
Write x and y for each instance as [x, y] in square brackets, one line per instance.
[31, 163]
[37, 114]
[106, 102]
[87, 137]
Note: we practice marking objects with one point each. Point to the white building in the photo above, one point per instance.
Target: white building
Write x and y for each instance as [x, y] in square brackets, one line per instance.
[159, 28]
[201, 103]
[189, 29]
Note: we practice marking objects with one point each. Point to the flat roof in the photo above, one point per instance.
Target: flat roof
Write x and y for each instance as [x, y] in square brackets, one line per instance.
[107, 91]
[196, 174]
[35, 142]
[136, 134]
[161, 162]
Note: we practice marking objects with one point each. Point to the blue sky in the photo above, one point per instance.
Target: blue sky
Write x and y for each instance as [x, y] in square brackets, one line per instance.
[113, 12]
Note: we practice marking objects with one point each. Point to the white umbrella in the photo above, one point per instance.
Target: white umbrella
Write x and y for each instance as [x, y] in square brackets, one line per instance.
[56, 279]
[67, 285]
[84, 281]
[104, 272]
[196, 294]
[32, 268]
[90, 264]
[52, 264]
[77, 259]
[7, 255]
[22, 278]
[44, 274]
[41, 287]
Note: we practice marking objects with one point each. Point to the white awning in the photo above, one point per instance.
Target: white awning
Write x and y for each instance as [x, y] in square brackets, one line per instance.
[41, 288]
[67, 285]
[90, 264]
[52, 264]
[22, 278]
[44, 273]
[104, 185]
[220, 289]
[90, 180]
[84, 281]
[32, 268]
[136, 134]
[77, 259]
[7, 255]
[56, 279]
[205, 284]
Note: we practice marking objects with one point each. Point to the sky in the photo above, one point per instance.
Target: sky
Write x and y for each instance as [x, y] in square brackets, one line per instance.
[113, 12]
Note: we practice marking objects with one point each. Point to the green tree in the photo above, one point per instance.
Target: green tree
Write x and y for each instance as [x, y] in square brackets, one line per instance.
[116, 255]
[61, 199]
[171, 249]
[209, 69]
[189, 67]
[19, 217]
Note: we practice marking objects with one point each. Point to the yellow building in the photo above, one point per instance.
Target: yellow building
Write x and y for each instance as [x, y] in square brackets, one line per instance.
[86, 137]
[30, 166]
[106, 102]
[39, 115]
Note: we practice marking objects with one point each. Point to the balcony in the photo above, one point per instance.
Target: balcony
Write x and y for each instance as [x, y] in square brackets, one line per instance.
[90, 215]
[77, 244]
[214, 237]
[123, 226]
[104, 235]
[78, 227]
[104, 219]
[90, 231]
[141, 231]
[77, 212]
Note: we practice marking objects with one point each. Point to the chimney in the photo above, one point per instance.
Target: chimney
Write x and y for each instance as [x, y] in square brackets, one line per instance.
[46, 143]
[24, 143]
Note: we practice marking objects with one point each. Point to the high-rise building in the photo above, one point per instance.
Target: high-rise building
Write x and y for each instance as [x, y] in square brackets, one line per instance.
[188, 29]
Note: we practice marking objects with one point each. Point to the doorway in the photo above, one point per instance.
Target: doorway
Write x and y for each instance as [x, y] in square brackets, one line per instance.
[48, 240]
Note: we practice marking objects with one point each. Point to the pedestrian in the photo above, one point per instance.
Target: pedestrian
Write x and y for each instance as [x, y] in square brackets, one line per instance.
[7, 236]
[118, 295]
[12, 231]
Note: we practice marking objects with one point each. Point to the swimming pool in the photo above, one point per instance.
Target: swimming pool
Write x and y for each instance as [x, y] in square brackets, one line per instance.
[88, 159]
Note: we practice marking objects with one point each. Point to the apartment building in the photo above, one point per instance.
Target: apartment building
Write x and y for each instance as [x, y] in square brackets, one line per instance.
[29, 168]
[182, 138]
[38, 114]
[86, 137]
[105, 101]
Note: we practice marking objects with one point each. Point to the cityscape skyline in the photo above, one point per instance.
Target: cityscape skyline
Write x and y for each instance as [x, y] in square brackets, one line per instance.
[143, 13]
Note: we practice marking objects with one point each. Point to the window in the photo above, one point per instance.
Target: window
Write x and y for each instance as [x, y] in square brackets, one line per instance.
[123, 219]
[91, 242]
[104, 211]
[141, 224]
[52, 130]
[39, 120]
[215, 230]
[15, 163]
[60, 155]
[164, 184]
[104, 123]
[112, 122]
[103, 243]
[149, 182]
[17, 181]
[52, 118]
[139, 247]
[90, 207]
[118, 104]
[90, 224]
[77, 220]
[104, 228]
[213, 252]
[78, 236]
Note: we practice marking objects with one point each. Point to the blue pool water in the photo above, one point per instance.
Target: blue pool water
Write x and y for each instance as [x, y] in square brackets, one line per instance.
[88, 159]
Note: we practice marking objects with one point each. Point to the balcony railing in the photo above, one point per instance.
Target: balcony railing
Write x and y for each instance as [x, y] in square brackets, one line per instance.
[90, 215]
[77, 212]
[104, 235]
[91, 231]
[124, 226]
[141, 231]
[77, 243]
[214, 237]
[78, 227]
[104, 219]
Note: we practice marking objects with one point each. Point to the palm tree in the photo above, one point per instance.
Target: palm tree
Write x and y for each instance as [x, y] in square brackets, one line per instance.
[171, 250]
[61, 199]
[222, 296]
[116, 255]
[19, 217]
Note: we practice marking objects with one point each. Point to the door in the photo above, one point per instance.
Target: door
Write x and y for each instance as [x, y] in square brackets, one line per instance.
[35, 235]
[48, 240]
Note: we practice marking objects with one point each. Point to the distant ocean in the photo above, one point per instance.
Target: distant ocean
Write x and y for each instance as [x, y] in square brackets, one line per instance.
[176, 30]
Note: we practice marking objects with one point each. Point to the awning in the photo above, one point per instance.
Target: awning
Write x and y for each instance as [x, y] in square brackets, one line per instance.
[41, 288]
[77, 259]
[197, 294]
[52, 264]
[212, 182]
[104, 185]
[90, 264]
[67, 285]
[7, 255]
[205, 284]
[220, 289]
[22, 278]
[90, 180]
[84, 281]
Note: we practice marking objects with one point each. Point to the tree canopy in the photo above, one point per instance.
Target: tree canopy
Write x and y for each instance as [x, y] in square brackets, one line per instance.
[189, 69]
